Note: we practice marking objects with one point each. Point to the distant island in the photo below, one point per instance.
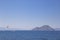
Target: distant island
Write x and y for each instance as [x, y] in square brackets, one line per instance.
[44, 28]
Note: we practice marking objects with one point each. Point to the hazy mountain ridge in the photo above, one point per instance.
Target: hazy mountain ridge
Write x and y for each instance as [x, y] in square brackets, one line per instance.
[44, 28]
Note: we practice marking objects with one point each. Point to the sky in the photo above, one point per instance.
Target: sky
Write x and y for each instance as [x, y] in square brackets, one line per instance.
[27, 14]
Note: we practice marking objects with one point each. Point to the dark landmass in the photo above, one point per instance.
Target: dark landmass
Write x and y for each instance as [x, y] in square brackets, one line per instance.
[44, 28]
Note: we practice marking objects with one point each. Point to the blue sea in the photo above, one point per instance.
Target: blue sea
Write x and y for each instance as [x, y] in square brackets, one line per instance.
[29, 35]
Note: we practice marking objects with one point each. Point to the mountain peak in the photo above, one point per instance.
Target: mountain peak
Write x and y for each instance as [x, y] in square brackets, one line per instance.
[44, 28]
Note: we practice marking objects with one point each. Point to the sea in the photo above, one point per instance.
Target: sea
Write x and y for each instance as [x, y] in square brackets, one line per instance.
[29, 35]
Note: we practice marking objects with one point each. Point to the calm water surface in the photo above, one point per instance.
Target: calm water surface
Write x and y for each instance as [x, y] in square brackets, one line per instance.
[29, 35]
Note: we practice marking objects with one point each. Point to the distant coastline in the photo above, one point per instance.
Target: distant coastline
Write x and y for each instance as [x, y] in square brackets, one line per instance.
[42, 28]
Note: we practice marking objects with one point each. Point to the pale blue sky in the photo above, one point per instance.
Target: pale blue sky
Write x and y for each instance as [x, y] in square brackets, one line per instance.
[27, 14]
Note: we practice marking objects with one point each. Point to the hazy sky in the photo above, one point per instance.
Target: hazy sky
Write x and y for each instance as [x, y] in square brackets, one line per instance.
[27, 14]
